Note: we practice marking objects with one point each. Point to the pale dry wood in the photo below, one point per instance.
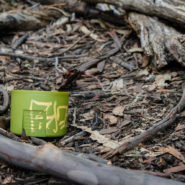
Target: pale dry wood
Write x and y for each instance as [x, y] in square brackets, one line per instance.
[171, 10]
[164, 44]
[72, 166]
[40, 16]
[41, 59]
[29, 19]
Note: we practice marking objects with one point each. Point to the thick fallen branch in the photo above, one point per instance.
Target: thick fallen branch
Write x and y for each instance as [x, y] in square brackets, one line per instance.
[166, 122]
[9, 135]
[28, 19]
[72, 166]
[162, 43]
[41, 16]
[41, 59]
[171, 10]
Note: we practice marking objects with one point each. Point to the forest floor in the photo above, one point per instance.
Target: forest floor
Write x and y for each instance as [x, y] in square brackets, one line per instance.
[120, 97]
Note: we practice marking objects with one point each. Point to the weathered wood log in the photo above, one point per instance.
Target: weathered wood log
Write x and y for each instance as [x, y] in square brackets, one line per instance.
[171, 10]
[164, 44]
[39, 17]
[28, 19]
[161, 42]
[72, 166]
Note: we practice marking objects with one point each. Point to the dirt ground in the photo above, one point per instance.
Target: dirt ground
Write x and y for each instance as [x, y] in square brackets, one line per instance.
[121, 97]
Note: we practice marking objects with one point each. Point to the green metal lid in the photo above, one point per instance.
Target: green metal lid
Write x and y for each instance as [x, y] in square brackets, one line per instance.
[39, 113]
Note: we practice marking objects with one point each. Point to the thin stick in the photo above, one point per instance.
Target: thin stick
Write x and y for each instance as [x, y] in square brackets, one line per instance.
[72, 138]
[41, 59]
[38, 141]
[9, 135]
[70, 47]
[20, 41]
[166, 122]
[95, 61]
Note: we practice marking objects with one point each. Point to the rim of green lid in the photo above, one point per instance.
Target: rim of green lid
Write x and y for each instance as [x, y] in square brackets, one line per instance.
[40, 92]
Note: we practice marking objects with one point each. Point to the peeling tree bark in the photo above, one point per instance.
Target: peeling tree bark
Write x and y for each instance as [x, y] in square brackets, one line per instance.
[72, 166]
[164, 44]
[33, 19]
[171, 10]
[161, 42]
[27, 19]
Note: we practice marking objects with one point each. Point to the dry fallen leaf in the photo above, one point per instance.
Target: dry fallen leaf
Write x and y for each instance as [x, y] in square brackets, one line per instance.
[124, 123]
[95, 135]
[165, 90]
[175, 169]
[173, 152]
[113, 120]
[182, 114]
[180, 127]
[88, 116]
[7, 179]
[108, 130]
[161, 79]
[142, 73]
[4, 122]
[101, 65]
[118, 111]
[9, 88]
[151, 87]
[86, 31]
[117, 85]
[145, 61]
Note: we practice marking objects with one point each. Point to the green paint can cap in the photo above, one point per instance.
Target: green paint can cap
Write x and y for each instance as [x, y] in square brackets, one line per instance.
[39, 113]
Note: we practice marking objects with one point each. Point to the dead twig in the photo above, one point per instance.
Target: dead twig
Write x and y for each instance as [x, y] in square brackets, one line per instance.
[166, 122]
[95, 61]
[70, 47]
[72, 138]
[4, 107]
[9, 135]
[41, 59]
[38, 141]
[75, 74]
[20, 41]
